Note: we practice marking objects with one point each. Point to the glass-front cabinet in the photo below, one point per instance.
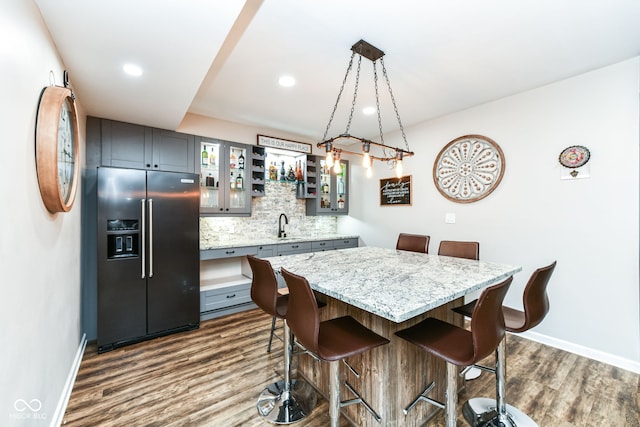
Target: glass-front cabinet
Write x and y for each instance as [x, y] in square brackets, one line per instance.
[225, 185]
[332, 192]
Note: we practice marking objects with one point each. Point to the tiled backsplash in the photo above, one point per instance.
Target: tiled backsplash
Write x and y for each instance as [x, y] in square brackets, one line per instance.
[280, 198]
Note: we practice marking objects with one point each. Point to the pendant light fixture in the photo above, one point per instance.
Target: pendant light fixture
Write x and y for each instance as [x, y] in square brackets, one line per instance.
[386, 153]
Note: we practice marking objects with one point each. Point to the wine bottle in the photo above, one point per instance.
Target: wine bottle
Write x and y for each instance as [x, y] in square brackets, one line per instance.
[239, 182]
[205, 156]
[241, 161]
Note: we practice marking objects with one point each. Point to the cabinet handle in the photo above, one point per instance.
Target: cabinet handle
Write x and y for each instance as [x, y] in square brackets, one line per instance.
[230, 252]
[150, 237]
[144, 242]
[231, 296]
[295, 246]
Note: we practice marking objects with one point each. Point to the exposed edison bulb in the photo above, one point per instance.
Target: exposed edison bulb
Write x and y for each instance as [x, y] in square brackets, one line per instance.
[399, 168]
[336, 167]
[366, 160]
[329, 159]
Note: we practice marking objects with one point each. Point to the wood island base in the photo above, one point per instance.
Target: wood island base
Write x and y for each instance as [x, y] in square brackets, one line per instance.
[390, 376]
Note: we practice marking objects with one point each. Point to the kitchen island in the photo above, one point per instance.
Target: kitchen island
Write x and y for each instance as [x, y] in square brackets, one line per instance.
[388, 290]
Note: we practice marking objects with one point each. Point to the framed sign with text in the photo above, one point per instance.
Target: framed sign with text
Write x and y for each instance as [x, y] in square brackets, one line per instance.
[284, 144]
[395, 191]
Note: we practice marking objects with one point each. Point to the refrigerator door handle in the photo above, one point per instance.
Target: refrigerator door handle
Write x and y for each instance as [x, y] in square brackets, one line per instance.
[143, 229]
[150, 238]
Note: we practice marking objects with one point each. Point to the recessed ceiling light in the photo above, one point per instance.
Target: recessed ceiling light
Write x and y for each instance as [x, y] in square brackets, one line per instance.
[368, 110]
[132, 70]
[287, 81]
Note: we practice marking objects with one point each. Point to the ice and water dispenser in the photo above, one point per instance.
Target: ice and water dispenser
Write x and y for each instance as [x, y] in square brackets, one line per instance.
[123, 238]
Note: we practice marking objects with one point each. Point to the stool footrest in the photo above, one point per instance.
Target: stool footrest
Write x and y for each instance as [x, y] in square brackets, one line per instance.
[423, 396]
[359, 399]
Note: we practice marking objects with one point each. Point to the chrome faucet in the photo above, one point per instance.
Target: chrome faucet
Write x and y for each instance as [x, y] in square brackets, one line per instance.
[281, 232]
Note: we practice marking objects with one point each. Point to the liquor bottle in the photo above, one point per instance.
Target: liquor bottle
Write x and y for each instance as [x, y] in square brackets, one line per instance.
[283, 173]
[291, 175]
[241, 161]
[273, 174]
[232, 162]
[212, 158]
[239, 182]
[205, 156]
[340, 185]
[232, 182]
[340, 203]
[299, 176]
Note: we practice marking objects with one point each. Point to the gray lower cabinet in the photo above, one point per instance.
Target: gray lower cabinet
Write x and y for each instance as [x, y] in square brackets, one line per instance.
[224, 298]
[345, 243]
[294, 248]
[265, 251]
[231, 292]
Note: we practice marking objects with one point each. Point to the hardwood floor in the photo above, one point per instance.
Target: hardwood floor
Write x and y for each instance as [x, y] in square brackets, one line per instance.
[212, 376]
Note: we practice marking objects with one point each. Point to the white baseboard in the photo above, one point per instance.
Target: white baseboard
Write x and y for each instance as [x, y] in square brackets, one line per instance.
[56, 420]
[600, 356]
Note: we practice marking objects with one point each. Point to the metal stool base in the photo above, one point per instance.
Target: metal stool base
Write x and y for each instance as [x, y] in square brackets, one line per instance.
[481, 411]
[278, 406]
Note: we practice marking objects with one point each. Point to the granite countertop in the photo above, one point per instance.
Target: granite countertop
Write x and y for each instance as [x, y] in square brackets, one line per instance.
[240, 240]
[395, 285]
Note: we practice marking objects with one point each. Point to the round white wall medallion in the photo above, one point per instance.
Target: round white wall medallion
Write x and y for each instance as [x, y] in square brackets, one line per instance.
[468, 168]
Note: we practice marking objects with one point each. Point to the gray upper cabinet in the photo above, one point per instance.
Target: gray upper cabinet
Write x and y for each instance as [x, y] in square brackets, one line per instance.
[225, 177]
[333, 191]
[140, 147]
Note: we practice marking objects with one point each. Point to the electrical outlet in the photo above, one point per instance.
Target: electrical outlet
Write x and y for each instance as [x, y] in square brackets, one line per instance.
[450, 218]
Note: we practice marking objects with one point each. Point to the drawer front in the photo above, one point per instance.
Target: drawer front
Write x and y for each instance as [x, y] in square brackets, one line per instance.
[345, 243]
[267, 251]
[228, 252]
[225, 297]
[294, 248]
[322, 245]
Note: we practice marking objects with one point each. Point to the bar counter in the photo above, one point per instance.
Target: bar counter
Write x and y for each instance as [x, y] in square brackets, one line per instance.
[388, 290]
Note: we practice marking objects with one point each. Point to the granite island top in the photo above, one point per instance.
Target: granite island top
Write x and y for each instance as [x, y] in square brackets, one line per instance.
[236, 240]
[396, 285]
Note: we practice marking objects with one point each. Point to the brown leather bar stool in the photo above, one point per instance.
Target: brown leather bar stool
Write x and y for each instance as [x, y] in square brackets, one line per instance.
[535, 301]
[458, 346]
[330, 340]
[413, 243]
[285, 401]
[469, 250]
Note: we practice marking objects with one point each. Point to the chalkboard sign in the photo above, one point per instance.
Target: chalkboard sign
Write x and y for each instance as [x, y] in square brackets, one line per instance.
[395, 191]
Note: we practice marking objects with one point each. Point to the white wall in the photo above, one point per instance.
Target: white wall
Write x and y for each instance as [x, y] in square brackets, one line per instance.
[39, 252]
[590, 226]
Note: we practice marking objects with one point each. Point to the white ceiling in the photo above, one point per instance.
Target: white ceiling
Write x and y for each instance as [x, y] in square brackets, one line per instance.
[222, 59]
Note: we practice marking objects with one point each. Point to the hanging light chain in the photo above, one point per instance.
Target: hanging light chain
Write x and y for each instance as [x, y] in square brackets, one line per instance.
[395, 107]
[375, 84]
[355, 95]
[335, 107]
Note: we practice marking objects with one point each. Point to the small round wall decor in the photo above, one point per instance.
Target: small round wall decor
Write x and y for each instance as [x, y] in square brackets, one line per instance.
[574, 156]
[468, 168]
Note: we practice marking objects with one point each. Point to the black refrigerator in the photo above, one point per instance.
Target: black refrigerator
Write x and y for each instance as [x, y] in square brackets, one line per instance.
[148, 255]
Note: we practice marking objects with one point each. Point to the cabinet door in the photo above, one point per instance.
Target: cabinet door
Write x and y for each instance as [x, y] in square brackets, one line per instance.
[212, 169]
[125, 145]
[172, 151]
[239, 158]
[333, 195]
[341, 193]
[224, 186]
